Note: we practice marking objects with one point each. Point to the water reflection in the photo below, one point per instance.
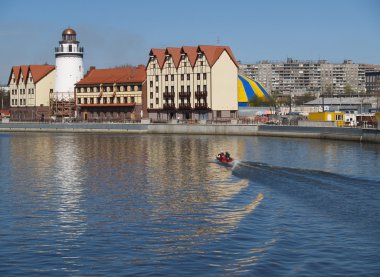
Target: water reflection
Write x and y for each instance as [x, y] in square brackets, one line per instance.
[67, 171]
[90, 204]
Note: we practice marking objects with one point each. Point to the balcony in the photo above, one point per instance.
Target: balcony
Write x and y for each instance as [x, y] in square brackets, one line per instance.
[169, 106]
[184, 106]
[201, 106]
[63, 51]
[199, 94]
[184, 94]
[168, 94]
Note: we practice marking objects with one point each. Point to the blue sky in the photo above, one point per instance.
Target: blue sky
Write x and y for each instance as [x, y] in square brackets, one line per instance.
[117, 32]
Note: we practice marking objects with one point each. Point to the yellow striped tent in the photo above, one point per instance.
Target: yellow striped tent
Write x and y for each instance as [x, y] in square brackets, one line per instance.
[248, 88]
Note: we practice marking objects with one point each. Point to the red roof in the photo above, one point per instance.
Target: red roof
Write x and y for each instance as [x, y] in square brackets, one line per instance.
[159, 54]
[114, 75]
[175, 53]
[191, 52]
[211, 52]
[24, 71]
[38, 72]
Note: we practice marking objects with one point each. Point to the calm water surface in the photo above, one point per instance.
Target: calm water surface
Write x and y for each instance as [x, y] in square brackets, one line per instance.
[105, 204]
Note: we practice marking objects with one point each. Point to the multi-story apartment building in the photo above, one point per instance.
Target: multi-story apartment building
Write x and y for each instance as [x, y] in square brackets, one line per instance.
[30, 87]
[373, 82]
[111, 94]
[300, 77]
[192, 83]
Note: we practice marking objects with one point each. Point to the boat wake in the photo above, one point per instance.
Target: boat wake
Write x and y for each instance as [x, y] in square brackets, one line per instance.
[341, 197]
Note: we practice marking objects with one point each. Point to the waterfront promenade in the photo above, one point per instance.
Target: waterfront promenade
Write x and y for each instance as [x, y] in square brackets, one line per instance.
[336, 133]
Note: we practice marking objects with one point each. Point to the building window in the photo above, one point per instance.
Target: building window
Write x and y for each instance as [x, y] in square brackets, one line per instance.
[172, 89]
[204, 88]
[204, 76]
[218, 113]
[104, 100]
[182, 77]
[151, 83]
[84, 100]
[188, 88]
[188, 76]
[151, 106]
[125, 100]
[157, 101]
[182, 88]
[91, 100]
[156, 89]
[166, 89]
[198, 76]
[118, 100]
[157, 78]
[166, 77]
[151, 95]
[198, 88]
[132, 99]
[172, 77]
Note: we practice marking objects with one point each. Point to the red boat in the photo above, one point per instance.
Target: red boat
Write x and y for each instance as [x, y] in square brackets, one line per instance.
[224, 158]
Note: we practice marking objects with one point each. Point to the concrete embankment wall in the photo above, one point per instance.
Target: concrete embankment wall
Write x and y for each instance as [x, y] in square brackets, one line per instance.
[74, 127]
[336, 133]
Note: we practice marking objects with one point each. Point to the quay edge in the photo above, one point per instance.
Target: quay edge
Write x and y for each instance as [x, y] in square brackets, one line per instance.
[334, 133]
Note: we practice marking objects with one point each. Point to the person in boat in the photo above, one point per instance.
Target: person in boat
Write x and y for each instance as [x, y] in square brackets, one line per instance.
[221, 155]
[228, 156]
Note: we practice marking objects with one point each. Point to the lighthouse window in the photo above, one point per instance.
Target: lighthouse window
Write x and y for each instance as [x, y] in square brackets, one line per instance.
[70, 48]
[80, 68]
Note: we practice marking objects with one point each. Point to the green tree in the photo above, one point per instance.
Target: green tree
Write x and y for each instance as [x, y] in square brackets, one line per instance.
[348, 89]
[255, 101]
[4, 99]
[328, 90]
[302, 99]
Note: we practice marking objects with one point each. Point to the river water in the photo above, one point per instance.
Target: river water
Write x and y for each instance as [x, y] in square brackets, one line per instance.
[159, 205]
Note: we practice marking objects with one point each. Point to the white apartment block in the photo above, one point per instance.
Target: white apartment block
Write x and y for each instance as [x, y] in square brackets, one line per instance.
[30, 87]
[192, 83]
[300, 77]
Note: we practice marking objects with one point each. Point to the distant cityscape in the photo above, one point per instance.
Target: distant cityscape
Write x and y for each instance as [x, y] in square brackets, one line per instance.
[298, 77]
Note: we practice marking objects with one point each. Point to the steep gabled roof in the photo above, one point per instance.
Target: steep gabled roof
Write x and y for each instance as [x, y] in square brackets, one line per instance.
[175, 53]
[191, 52]
[213, 53]
[16, 71]
[114, 75]
[40, 71]
[24, 71]
[159, 54]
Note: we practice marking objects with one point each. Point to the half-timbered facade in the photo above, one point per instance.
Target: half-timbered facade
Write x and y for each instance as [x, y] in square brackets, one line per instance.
[192, 83]
[30, 87]
[114, 94]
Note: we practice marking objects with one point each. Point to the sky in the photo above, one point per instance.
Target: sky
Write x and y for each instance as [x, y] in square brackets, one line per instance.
[119, 32]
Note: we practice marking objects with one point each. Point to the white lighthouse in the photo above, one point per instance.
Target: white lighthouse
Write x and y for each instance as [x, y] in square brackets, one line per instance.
[69, 65]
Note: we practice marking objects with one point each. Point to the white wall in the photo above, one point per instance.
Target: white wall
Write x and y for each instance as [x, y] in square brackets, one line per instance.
[224, 92]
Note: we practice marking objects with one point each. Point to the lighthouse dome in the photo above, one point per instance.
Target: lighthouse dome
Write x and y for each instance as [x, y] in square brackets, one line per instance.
[68, 31]
[69, 35]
